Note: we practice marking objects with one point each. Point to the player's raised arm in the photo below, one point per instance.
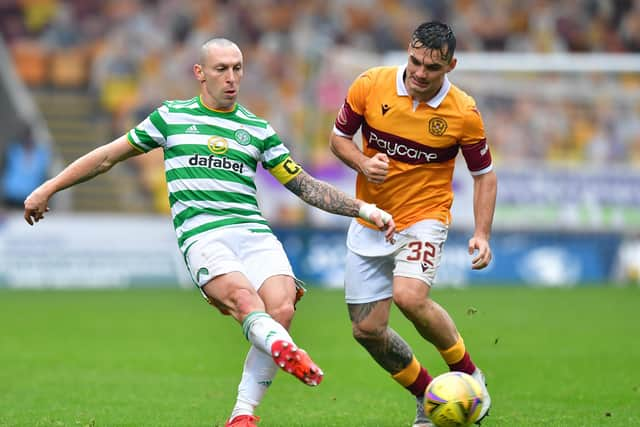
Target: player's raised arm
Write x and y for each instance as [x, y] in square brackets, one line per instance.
[94, 163]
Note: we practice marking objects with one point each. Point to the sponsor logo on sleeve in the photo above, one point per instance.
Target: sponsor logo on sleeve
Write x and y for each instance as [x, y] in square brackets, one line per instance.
[342, 116]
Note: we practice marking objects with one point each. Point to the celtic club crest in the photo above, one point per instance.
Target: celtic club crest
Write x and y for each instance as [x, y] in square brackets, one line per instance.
[242, 136]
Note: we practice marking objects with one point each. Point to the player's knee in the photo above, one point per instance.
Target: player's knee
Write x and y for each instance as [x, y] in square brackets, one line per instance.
[365, 332]
[243, 301]
[282, 312]
[410, 299]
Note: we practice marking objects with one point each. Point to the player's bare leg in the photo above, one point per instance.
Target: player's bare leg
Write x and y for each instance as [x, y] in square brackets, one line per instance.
[234, 295]
[278, 295]
[436, 326]
[431, 321]
[265, 317]
[370, 328]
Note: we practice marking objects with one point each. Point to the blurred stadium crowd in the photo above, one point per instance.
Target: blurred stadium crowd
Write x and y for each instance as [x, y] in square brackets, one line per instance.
[300, 56]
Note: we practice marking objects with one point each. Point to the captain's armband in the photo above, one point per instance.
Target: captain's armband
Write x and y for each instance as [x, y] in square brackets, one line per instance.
[286, 170]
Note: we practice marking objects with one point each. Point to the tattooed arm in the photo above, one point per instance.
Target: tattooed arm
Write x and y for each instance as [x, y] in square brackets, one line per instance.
[323, 195]
[328, 198]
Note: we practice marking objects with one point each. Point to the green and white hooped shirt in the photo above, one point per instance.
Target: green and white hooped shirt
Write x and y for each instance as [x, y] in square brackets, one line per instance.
[210, 160]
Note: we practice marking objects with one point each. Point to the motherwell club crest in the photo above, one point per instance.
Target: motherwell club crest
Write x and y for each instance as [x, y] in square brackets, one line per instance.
[437, 126]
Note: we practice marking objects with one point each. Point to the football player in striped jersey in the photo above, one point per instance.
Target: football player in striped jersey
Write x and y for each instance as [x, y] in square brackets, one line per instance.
[212, 148]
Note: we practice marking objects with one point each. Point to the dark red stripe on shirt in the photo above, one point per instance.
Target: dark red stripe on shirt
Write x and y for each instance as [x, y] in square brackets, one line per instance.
[348, 121]
[406, 150]
[477, 155]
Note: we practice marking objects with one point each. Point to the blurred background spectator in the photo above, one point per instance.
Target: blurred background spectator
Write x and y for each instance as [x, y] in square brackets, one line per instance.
[96, 68]
[25, 165]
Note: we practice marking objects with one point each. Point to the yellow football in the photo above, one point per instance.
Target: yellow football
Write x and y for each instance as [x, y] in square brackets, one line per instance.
[453, 399]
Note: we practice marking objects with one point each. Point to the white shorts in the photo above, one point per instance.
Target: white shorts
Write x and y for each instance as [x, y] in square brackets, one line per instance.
[372, 263]
[256, 255]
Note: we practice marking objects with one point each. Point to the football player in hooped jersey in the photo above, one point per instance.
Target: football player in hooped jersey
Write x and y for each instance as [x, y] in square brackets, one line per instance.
[212, 147]
[414, 121]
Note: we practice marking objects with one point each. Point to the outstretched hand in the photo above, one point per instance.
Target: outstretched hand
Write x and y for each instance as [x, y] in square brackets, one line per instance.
[481, 248]
[35, 205]
[388, 226]
[382, 219]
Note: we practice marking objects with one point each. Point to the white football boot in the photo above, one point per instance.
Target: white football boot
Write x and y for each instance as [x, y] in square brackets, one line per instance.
[486, 399]
[421, 418]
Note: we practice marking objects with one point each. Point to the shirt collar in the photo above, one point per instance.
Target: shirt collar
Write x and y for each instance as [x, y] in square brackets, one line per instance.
[433, 102]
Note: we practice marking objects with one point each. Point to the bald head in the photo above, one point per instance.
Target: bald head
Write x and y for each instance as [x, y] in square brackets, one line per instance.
[219, 73]
[210, 47]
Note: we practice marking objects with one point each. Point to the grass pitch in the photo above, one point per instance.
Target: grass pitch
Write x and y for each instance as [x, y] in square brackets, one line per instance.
[553, 357]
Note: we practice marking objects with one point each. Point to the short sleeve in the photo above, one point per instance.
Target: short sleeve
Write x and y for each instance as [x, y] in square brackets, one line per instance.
[274, 151]
[473, 128]
[151, 132]
[350, 115]
[474, 142]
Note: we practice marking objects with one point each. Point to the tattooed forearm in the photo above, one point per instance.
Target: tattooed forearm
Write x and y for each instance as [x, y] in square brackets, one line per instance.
[322, 195]
[386, 347]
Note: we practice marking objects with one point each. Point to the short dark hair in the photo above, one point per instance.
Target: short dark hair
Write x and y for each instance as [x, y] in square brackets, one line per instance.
[437, 36]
